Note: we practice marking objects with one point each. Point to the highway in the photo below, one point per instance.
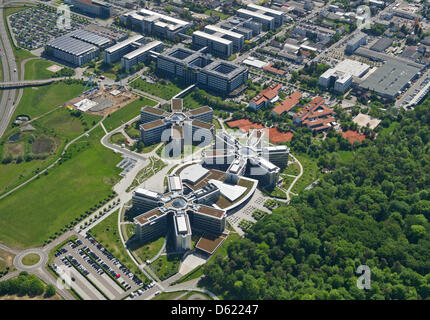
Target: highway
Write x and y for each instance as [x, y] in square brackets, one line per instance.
[7, 105]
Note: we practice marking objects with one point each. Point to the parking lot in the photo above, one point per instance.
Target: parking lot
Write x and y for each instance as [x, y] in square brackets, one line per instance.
[35, 26]
[94, 273]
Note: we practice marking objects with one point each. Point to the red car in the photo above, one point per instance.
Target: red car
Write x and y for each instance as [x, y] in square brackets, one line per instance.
[117, 275]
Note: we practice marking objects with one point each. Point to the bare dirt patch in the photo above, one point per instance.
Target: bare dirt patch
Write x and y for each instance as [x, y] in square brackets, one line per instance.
[43, 144]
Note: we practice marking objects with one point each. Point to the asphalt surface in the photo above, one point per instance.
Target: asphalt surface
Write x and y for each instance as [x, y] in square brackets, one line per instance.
[7, 105]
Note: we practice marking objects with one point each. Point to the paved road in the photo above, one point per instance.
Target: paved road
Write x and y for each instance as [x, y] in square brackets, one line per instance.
[7, 105]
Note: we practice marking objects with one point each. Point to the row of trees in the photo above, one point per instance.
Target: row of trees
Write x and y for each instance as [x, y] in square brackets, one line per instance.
[372, 210]
[26, 284]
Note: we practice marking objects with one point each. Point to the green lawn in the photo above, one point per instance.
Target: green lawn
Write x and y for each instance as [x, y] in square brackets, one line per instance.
[389, 130]
[126, 113]
[6, 262]
[37, 69]
[220, 14]
[117, 138]
[59, 126]
[164, 91]
[147, 251]
[44, 206]
[107, 233]
[292, 169]
[39, 100]
[30, 259]
[166, 265]
[311, 172]
[190, 102]
[132, 131]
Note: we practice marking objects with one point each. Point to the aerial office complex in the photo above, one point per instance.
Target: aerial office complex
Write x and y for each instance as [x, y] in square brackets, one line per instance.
[357, 41]
[253, 158]
[141, 54]
[178, 127]
[150, 22]
[71, 50]
[196, 67]
[114, 53]
[180, 209]
[342, 74]
[269, 18]
[93, 8]
[219, 41]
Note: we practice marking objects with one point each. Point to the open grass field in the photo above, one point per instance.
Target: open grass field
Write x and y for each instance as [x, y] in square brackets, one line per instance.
[221, 15]
[311, 172]
[146, 251]
[44, 206]
[107, 233]
[126, 113]
[132, 131]
[190, 102]
[51, 135]
[30, 259]
[39, 100]
[166, 265]
[37, 69]
[164, 91]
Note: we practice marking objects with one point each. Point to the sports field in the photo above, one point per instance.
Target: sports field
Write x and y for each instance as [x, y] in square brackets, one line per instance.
[33, 213]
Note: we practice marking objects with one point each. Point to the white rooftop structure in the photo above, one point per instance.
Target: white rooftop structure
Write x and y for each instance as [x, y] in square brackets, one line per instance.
[123, 44]
[193, 173]
[212, 37]
[181, 223]
[147, 47]
[253, 62]
[146, 193]
[256, 14]
[224, 31]
[351, 67]
[85, 104]
[231, 192]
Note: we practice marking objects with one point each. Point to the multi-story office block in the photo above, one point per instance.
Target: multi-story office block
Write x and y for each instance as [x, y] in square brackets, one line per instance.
[216, 45]
[237, 38]
[71, 50]
[93, 8]
[150, 22]
[141, 54]
[222, 76]
[114, 53]
[267, 22]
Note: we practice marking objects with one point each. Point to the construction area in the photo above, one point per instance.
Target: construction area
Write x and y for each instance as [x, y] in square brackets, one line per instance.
[101, 100]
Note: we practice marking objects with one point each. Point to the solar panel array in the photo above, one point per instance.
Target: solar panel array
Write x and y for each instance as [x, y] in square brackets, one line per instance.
[90, 37]
[71, 45]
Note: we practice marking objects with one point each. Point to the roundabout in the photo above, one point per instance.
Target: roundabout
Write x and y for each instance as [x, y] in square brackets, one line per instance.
[30, 259]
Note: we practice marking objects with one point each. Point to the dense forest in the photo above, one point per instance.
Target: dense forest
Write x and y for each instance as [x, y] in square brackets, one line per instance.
[372, 210]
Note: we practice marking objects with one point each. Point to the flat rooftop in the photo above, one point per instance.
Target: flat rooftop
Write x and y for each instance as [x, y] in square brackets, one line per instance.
[153, 124]
[224, 31]
[145, 48]
[390, 78]
[198, 111]
[123, 44]
[210, 242]
[90, 37]
[211, 211]
[256, 14]
[212, 37]
[149, 216]
[153, 110]
[72, 46]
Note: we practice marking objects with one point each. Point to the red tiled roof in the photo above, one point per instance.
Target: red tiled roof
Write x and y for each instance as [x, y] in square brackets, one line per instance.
[277, 136]
[244, 124]
[352, 136]
[267, 94]
[288, 103]
[273, 70]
